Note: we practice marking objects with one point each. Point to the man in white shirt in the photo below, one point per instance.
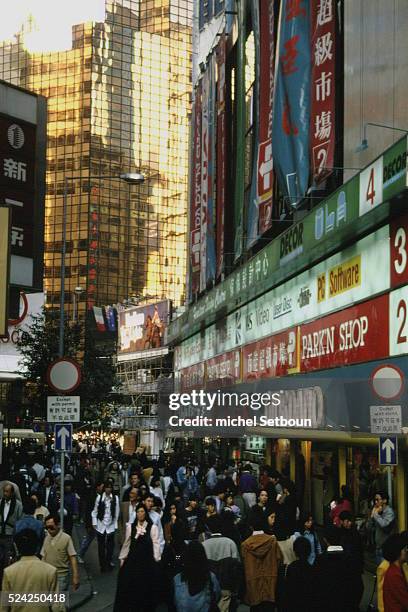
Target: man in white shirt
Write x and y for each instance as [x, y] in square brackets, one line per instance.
[155, 518]
[105, 517]
[39, 469]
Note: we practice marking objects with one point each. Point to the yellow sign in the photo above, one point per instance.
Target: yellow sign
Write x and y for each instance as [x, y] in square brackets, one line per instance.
[343, 277]
[4, 267]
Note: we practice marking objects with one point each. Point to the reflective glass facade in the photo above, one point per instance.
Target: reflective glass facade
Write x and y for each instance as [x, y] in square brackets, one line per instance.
[118, 101]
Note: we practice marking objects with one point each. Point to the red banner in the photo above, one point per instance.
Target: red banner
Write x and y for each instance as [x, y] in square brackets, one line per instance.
[322, 129]
[276, 355]
[224, 370]
[353, 335]
[399, 251]
[192, 377]
[266, 88]
[221, 161]
[195, 208]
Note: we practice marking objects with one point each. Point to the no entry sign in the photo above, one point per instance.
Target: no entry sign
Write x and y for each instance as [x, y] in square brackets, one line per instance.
[64, 375]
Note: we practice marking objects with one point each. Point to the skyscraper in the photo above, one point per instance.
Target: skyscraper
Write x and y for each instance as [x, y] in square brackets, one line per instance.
[118, 101]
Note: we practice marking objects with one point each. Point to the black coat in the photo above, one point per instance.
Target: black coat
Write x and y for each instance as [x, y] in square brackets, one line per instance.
[301, 588]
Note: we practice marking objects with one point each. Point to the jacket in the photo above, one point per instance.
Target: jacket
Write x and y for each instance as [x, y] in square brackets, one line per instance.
[15, 514]
[395, 590]
[30, 575]
[315, 545]
[384, 525]
[261, 556]
[381, 571]
[185, 602]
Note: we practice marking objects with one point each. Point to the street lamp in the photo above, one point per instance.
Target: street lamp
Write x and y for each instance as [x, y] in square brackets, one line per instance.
[364, 143]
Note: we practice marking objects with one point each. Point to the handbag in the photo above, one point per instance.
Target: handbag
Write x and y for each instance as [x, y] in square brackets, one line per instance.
[213, 603]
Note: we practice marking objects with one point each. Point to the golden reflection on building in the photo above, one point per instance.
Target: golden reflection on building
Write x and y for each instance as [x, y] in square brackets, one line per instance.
[118, 101]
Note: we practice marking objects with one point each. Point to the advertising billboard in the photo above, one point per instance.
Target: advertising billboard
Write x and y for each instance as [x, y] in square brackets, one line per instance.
[143, 327]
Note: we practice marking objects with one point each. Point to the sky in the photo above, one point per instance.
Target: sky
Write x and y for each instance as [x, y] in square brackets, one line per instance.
[53, 18]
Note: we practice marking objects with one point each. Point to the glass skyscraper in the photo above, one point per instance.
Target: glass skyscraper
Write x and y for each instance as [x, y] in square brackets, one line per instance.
[118, 101]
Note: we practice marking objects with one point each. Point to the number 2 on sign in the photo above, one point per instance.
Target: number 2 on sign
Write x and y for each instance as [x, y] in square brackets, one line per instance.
[370, 194]
[402, 319]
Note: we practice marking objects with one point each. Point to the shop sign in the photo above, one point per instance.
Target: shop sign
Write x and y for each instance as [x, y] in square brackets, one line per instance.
[277, 355]
[385, 419]
[353, 275]
[353, 335]
[399, 251]
[399, 321]
[224, 369]
[192, 377]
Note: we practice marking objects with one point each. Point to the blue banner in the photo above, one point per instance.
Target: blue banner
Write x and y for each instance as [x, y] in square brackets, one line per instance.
[291, 116]
[206, 12]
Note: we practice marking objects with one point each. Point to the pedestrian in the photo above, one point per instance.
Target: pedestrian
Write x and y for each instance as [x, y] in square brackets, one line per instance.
[261, 508]
[211, 479]
[149, 502]
[30, 575]
[307, 530]
[388, 553]
[28, 521]
[49, 494]
[139, 558]
[58, 550]
[135, 482]
[105, 516]
[41, 512]
[11, 510]
[193, 518]
[71, 508]
[248, 486]
[195, 587]
[261, 557]
[287, 509]
[333, 575]
[90, 531]
[395, 590]
[340, 504]
[222, 550]
[175, 528]
[128, 511]
[300, 585]
[354, 555]
[382, 520]
[230, 506]
[113, 473]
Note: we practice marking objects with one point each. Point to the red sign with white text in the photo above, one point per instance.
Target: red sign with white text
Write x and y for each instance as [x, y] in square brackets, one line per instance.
[192, 377]
[353, 335]
[399, 251]
[322, 129]
[266, 88]
[272, 356]
[223, 370]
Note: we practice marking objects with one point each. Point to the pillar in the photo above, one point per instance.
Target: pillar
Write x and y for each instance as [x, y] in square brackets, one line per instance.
[401, 496]
[292, 460]
[268, 451]
[306, 449]
[342, 466]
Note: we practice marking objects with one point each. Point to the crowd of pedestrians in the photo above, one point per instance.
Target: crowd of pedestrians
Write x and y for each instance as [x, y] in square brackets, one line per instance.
[190, 536]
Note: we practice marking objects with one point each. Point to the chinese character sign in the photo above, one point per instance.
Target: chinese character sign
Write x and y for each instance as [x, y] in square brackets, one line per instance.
[322, 126]
[195, 204]
[260, 200]
[221, 160]
[291, 110]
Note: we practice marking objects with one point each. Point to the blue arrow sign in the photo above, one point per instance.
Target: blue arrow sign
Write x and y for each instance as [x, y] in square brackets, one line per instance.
[388, 450]
[63, 437]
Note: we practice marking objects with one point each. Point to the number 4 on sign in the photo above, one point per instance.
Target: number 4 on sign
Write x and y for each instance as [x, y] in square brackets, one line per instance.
[371, 187]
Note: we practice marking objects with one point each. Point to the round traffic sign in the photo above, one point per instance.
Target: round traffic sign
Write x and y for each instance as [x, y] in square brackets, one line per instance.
[387, 382]
[64, 375]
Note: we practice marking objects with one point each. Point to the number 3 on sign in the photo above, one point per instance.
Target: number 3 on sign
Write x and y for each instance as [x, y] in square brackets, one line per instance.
[399, 251]
[371, 187]
[399, 321]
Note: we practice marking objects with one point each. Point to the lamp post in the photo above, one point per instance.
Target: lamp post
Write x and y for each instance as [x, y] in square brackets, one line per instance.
[132, 178]
[75, 295]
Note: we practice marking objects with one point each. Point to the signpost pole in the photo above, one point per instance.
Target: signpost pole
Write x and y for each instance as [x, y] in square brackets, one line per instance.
[389, 484]
[62, 489]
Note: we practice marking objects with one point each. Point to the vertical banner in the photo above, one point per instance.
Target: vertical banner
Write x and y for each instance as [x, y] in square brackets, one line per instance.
[260, 204]
[211, 168]
[221, 144]
[322, 128]
[5, 227]
[265, 175]
[240, 132]
[291, 112]
[195, 209]
[204, 177]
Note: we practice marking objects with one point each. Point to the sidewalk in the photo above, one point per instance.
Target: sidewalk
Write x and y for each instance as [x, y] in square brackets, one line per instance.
[79, 598]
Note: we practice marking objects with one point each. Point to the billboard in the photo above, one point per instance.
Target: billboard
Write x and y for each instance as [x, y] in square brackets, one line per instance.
[143, 327]
[31, 305]
[4, 266]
